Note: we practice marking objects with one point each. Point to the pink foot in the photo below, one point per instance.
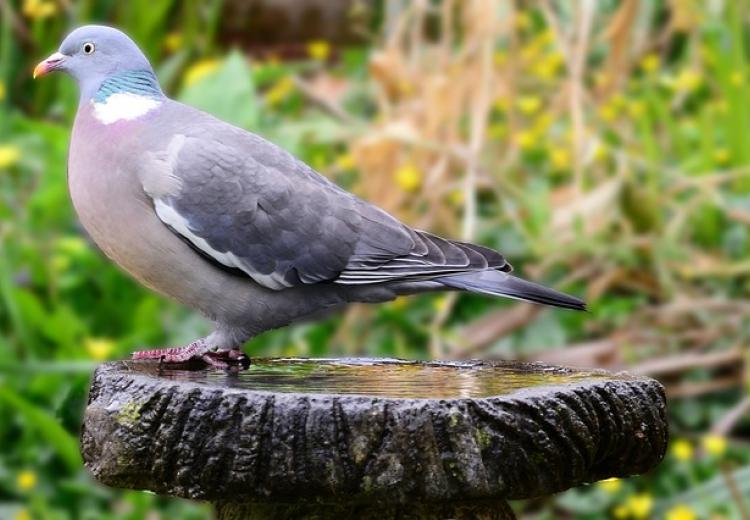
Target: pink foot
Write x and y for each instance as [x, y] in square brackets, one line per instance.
[197, 351]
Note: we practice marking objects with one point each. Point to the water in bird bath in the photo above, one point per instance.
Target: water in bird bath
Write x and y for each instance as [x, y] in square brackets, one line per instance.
[385, 378]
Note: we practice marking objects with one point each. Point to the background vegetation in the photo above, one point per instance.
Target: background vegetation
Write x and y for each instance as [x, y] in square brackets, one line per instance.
[603, 146]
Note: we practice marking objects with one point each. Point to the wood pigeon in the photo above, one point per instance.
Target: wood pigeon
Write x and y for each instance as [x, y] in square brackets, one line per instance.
[232, 225]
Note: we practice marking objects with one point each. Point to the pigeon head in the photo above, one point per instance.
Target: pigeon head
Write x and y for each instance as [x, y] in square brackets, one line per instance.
[94, 54]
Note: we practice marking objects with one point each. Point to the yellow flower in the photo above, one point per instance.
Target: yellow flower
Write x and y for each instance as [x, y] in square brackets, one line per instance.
[2, 91]
[345, 161]
[636, 108]
[522, 20]
[22, 514]
[99, 348]
[440, 303]
[640, 505]
[681, 512]
[601, 152]
[293, 349]
[650, 62]
[319, 50]
[500, 57]
[72, 245]
[546, 37]
[737, 79]
[722, 156]
[529, 104]
[173, 41]
[408, 177]
[682, 450]
[9, 155]
[526, 139]
[560, 158]
[26, 480]
[38, 9]
[399, 303]
[542, 123]
[620, 512]
[200, 70]
[611, 485]
[60, 263]
[279, 91]
[687, 80]
[456, 198]
[608, 112]
[548, 67]
[714, 445]
[530, 52]
[501, 104]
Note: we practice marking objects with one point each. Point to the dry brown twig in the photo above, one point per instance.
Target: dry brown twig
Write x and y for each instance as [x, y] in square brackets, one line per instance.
[579, 42]
[494, 325]
[727, 422]
[678, 364]
[326, 104]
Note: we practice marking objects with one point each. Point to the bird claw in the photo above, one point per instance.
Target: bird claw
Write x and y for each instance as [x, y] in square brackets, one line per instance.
[196, 355]
[232, 360]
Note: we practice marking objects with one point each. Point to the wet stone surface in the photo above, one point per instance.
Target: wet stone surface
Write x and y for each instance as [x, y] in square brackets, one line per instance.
[295, 438]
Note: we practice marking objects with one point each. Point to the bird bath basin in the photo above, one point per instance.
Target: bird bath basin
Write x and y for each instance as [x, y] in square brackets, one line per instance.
[368, 438]
[387, 378]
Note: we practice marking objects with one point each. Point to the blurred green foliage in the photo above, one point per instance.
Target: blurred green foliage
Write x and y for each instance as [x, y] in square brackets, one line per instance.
[662, 214]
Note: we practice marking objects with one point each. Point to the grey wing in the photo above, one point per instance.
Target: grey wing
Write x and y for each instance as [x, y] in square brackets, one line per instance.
[249, 205]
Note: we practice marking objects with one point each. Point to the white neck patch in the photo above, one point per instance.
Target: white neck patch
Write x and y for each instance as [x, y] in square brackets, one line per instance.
[123, 106]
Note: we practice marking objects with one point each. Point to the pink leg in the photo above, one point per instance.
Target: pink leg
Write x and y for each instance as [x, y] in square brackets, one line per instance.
[196, 349]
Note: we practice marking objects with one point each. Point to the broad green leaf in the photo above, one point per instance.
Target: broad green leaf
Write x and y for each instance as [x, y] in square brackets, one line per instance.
[227, 93]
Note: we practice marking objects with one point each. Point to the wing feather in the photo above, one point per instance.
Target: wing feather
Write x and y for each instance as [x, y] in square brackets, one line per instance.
[252, 207]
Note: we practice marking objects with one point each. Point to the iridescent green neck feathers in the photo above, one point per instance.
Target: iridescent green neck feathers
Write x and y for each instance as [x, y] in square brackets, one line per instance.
[138, 82]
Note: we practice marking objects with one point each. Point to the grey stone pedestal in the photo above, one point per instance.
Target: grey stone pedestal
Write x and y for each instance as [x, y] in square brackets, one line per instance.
[368, 438]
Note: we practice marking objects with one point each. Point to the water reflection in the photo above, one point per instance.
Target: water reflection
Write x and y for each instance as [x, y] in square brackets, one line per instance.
[380, 377]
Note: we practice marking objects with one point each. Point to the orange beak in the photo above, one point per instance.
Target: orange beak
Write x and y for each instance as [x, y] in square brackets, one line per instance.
[50, 64]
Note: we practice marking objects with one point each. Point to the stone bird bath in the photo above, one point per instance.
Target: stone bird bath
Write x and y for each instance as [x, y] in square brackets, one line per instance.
[368, 438]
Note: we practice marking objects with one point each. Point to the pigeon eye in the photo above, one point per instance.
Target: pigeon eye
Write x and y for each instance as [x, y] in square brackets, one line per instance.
[88, 48]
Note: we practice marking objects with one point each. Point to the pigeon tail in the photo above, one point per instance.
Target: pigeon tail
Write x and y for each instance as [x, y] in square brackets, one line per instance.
[498, 283]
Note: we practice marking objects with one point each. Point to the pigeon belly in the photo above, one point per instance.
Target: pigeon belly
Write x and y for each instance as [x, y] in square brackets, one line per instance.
[120, 218]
